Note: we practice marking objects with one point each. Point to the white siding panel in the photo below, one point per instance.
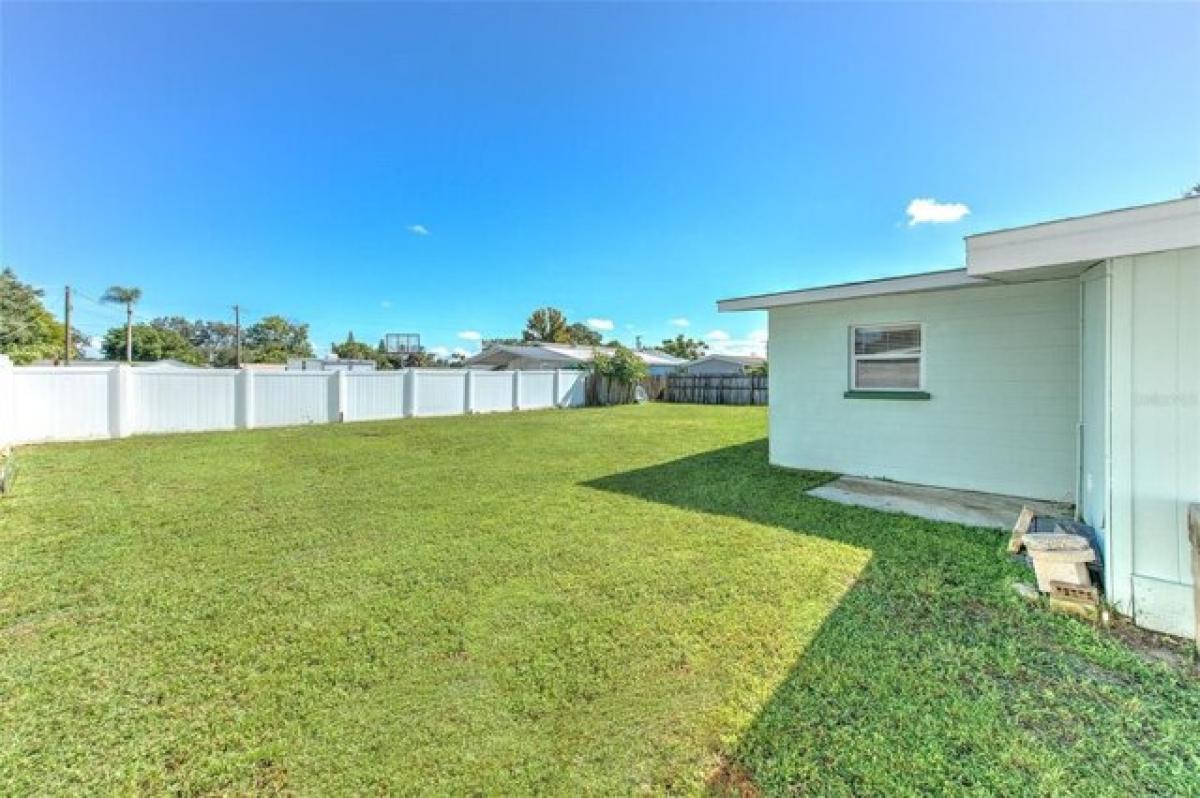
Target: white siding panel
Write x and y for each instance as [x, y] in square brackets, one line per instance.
[183, 401]
[374, 394]
[1155, 432]
[60, 404]
[298, 397]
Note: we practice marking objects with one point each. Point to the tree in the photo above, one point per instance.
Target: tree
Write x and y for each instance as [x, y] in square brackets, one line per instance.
[1194, 191]
[145, 342]
[215, 340]
[28, 331]
[273, 339]
[351, 349]
[128, 297]
[547, 325]
[580, 334]
[418, 360]
[684, 347]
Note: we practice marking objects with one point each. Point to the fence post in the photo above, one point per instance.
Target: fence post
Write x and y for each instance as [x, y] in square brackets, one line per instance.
[410, 394]
[7, 402]
[469, 391]
[244, 416]
[337, 408]
[120, 402]
[557, 402]
[516, 397]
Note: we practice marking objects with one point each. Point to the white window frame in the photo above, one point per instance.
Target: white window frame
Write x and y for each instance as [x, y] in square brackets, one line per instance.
[891, 325]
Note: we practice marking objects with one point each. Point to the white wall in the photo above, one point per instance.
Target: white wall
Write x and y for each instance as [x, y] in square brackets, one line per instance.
[46, 403]
[1002, 368]
[1155, 395]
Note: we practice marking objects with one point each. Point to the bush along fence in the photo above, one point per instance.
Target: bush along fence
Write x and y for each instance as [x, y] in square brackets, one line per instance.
[616, 379]
[48, 403]
[713, 389]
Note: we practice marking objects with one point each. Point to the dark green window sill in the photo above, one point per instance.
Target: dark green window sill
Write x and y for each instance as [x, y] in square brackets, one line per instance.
[907, 396]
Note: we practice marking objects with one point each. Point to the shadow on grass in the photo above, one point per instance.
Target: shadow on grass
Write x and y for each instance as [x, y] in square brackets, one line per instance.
[930, 675]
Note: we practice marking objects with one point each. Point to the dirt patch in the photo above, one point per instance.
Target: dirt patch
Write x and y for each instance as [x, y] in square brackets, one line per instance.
[730, 780]
[1154, 647]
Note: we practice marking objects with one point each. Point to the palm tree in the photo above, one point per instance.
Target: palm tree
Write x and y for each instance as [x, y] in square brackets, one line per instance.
[127, 297]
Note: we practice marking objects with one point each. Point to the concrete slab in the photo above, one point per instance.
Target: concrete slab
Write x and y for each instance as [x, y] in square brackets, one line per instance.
[936, 504]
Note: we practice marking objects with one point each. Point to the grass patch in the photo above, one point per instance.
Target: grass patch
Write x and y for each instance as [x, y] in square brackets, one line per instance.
[593, 601]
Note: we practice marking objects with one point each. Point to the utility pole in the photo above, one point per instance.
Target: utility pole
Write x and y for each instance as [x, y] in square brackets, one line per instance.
[129, 333]
[237, 332]
[67, 326]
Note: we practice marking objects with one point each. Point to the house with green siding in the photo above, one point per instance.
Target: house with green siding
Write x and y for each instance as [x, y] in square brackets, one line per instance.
[1062, 363]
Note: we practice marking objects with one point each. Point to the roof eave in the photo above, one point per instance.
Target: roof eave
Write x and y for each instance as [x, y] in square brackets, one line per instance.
[949, 279]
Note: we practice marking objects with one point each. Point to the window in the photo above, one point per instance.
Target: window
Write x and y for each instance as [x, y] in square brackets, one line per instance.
[886, 357]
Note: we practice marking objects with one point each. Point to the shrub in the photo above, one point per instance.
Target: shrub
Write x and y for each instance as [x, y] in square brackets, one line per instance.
[621, 366]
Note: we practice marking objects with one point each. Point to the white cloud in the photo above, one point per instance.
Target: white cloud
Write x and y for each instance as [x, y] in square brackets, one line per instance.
[470, 335]
[759, 336]
[680, 322]
[439, 351]
[600, 324]
[717, 335]
[386, 303]
[930, 211]
[418, 229]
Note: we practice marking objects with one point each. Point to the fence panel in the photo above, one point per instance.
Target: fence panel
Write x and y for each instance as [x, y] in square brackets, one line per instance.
[493, 391]
[537, 389]
[52, 404]
[440, 392]
[572, 388]
[717, 389]
[283, 398]
[184, 401]
[374, 395]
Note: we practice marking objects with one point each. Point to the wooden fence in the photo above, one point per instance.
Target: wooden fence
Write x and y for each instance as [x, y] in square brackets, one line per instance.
[714, 389]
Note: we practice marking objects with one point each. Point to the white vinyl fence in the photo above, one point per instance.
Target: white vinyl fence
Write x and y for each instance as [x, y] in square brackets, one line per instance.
[48, 403]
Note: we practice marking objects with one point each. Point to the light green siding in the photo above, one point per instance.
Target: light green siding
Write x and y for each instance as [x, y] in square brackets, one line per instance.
[1002, 370]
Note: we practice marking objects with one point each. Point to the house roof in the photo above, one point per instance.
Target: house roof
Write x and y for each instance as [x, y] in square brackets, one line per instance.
[568, 355]
[1043, 251]
[741, 360]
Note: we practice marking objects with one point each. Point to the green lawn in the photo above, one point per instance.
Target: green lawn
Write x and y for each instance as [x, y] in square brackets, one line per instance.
[610, 601]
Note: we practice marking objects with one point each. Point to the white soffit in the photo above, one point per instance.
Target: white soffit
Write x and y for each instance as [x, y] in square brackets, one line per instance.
[1070, 245]
[908, 284]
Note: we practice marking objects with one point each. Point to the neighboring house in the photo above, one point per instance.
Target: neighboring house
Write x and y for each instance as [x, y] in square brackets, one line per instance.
[537, 356]
[1062, 363]
[724, 364]
[329, 364]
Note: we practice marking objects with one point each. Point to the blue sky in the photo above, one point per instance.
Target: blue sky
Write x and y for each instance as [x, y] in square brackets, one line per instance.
[447, 168]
